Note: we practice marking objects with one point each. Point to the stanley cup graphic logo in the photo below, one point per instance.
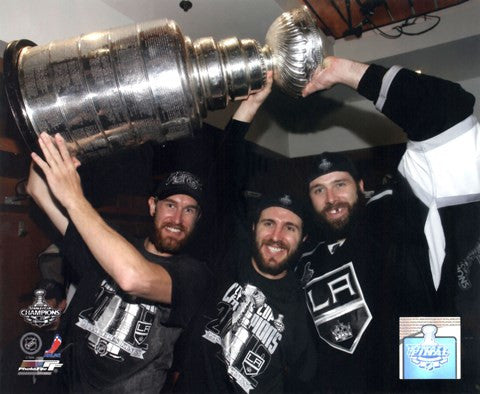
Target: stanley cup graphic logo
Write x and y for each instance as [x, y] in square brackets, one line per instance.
[248, 332]
[117, 327]
[429, 348]
[236, 338]
[40, 314]
[429, 354]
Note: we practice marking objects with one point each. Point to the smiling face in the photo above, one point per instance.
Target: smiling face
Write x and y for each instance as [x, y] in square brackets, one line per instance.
[334, 197]
[278, 233]
[174, 219]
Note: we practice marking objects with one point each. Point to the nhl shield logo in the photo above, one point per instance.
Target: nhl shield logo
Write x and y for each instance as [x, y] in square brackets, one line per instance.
[338, 308]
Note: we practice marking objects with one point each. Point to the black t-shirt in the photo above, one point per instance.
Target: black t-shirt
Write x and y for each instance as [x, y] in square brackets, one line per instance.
[252, 337]
[115, 342]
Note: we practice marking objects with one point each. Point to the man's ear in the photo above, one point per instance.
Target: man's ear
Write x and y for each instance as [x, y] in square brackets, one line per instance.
[152, 205]
[360, 185]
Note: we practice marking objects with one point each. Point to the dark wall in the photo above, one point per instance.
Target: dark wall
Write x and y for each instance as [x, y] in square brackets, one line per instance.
[22, 237]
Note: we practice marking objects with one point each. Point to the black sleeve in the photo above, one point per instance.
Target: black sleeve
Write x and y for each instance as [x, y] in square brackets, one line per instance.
[76, 254]
[422, 105]
[233, 169]
[378, 207]
[190, 281]
[236, 165]
[303, 370]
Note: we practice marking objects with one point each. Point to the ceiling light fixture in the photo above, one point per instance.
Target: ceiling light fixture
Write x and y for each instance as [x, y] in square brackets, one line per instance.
[185, 5]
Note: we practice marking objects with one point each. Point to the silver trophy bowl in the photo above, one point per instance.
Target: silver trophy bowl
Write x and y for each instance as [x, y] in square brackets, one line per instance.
[110, 90]
[297, 48]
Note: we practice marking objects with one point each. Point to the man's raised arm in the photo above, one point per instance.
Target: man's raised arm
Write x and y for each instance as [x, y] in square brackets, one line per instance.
[37, 188]
[119, 258]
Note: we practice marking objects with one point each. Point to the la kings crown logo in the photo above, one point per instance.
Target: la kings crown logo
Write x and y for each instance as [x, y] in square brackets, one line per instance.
[338, 308]
[342, 332]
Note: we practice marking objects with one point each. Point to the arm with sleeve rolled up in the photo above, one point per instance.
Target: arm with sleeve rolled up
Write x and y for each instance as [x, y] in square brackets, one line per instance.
[119, 258]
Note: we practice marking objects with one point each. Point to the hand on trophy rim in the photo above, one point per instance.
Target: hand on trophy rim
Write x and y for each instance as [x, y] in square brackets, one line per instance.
[249, 107]
[335, 70]
[59, 168]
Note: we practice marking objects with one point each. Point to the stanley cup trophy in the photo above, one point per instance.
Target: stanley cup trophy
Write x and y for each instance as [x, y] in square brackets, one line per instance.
[110, 90]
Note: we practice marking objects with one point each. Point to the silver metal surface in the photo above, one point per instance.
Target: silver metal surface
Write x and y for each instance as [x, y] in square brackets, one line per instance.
[298, 47]
[110, 90]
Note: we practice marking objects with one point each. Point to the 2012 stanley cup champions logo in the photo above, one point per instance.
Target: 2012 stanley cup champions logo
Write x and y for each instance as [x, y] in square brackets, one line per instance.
[338, 308]
[40, 314]
[248, 333]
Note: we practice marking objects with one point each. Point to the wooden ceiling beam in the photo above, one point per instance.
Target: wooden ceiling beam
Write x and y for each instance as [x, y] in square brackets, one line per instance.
[335, 20]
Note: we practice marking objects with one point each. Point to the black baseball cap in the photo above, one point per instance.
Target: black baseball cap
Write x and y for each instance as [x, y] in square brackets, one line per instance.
[282, 200]
[180, 182]
[328, 162]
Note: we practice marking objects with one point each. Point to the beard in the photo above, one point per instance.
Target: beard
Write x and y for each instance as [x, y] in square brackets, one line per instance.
[277, 267]
[166, 244]
[333, 230]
